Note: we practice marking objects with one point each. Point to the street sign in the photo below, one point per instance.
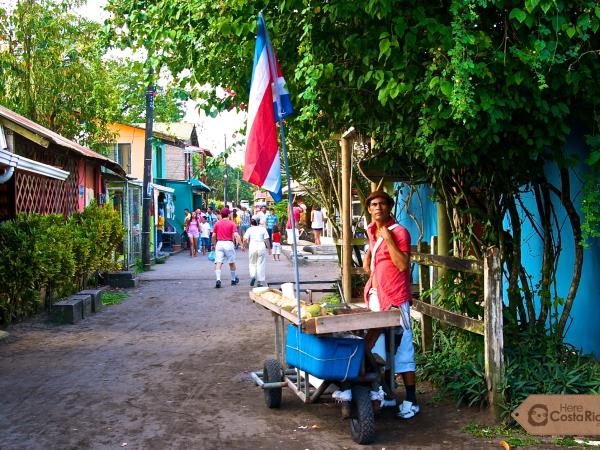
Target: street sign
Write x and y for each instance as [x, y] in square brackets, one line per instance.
[559, 415]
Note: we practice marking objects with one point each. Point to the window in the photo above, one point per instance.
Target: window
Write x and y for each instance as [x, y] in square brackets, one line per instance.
[121, 154]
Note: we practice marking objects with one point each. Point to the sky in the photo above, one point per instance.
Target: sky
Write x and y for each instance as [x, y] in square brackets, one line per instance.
[212, 133]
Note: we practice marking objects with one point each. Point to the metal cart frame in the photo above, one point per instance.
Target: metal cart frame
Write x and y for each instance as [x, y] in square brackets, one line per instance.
[360, 412]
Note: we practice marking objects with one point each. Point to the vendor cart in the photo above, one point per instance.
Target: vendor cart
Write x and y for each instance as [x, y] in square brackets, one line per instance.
[309, 359]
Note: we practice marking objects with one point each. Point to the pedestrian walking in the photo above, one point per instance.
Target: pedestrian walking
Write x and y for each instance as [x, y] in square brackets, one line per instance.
[271, 222]
[245, 217]
[296, 211]
[257, 240]
[193, 232]
[276, 243]
[211, 218]
[223, 237]
[160, 227]
[317, 223]
[204, 235]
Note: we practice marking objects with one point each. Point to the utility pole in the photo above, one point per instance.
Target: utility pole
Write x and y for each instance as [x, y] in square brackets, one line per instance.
[225, 172]
[237, 192]
[147, 199]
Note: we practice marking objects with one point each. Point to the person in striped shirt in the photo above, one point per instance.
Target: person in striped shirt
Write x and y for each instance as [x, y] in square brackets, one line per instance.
[244, 220]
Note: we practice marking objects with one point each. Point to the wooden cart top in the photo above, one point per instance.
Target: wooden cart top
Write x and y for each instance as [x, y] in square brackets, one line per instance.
[361, 320]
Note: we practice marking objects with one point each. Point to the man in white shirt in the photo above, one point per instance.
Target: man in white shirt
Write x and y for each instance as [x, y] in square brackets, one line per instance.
[257, 240]
[261, 217]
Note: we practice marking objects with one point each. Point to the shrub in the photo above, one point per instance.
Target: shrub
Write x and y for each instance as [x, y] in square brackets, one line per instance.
[47, 251]
[535, 363]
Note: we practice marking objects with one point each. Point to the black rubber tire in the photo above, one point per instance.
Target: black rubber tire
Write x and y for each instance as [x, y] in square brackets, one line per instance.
[271, 374]
[362, 420]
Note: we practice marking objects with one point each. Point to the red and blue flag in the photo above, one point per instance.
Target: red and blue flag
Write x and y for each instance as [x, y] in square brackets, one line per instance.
[269, 103]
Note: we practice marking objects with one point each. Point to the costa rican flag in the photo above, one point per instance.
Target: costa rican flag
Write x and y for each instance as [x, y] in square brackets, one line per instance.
[269, 103]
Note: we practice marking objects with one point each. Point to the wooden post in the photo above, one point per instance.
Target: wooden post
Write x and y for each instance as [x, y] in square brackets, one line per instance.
[373, 185]
[426, 329]
[493, 337]
[346, 145]
[443, 247]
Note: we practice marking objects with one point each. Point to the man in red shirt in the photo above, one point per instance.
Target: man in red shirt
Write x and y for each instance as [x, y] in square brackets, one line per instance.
[388, 264]
[224, 236]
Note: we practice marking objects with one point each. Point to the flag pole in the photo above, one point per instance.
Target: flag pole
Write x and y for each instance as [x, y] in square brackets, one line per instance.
[287, 169]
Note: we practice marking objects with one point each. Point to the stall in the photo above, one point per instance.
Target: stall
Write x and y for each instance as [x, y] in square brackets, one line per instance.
[325, 349]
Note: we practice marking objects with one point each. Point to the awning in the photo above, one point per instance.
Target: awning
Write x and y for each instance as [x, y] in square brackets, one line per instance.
[29, 165]
[162, 188]
[195, 183]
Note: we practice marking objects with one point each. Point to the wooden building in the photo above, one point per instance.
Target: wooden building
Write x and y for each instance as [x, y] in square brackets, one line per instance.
[45, 172]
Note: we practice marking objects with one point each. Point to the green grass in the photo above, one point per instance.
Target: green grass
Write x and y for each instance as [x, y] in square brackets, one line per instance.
[515, 437]
[113, 298]
[511, 435]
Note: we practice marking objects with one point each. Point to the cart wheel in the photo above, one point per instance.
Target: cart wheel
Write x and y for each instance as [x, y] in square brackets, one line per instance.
[272, 374]
[362, 421]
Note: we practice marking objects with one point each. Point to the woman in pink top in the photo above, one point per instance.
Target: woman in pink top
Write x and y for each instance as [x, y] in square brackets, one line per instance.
[193, 232]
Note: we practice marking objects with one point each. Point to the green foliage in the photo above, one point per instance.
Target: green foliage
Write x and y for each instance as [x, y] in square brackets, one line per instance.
[128, 77]
[463, 293]
[281, 209]
[540, 364]
[215, 178]
[590, 207]
[139, 265]
[51, 70]
[535, 364]
[51, 253]
[54, 71]
[96, 234]
[512, 436]
[480, 95]
[113, 298]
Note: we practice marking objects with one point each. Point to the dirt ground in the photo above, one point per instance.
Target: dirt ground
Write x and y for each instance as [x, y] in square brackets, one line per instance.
[169, 369]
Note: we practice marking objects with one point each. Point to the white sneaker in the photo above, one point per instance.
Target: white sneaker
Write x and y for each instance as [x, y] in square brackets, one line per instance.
[378, 395]
[408, 410]
[342, 396]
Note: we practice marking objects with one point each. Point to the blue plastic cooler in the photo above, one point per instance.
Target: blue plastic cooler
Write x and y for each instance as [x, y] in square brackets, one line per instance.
[335, 359]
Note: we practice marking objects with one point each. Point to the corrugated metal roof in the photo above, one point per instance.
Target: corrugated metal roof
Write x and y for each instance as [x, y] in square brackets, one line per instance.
[59, 140]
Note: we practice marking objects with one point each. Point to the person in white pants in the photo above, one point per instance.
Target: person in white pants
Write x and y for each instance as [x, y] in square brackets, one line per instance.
[257, 240]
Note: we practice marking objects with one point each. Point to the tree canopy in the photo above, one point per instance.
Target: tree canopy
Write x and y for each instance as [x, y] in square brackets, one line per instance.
[481, 93]
[54, 70]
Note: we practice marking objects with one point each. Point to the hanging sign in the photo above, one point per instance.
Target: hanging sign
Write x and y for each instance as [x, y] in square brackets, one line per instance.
[560, 415]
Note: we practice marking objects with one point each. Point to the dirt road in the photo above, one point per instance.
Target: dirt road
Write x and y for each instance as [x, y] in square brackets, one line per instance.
[169, 369]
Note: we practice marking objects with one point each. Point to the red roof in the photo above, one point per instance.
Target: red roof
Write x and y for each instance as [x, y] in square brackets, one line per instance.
[60, 140]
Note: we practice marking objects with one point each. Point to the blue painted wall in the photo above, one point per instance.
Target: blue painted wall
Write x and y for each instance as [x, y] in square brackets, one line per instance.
[584, 331]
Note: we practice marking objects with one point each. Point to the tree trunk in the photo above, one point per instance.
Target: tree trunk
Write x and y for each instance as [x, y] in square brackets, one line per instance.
[565, 199]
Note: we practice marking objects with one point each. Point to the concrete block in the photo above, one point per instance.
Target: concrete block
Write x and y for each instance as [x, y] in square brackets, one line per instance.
[86, 300]
[125, 283]
[96, 298]
[69, 310]
[121, 275]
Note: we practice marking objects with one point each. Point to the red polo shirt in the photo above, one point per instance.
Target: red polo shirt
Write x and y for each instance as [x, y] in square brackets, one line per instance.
[393, 286]
[225, 229]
